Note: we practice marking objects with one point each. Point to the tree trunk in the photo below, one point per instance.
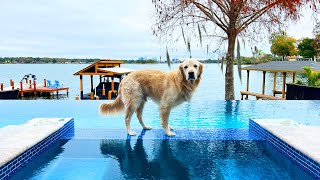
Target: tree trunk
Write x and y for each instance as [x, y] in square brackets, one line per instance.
[229, 78]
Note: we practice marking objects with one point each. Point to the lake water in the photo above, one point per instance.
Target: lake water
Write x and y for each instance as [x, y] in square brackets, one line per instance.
[211, 87]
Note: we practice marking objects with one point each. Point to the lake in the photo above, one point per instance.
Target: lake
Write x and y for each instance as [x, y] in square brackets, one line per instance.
[211, 87]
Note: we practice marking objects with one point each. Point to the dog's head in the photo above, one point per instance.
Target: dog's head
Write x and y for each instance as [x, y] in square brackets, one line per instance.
[191, 69]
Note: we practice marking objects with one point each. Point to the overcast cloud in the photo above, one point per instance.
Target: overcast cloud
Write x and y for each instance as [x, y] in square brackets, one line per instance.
[92, 29]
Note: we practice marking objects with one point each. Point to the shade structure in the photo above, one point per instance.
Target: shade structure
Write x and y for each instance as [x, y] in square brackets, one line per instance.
[103, 68]
[283, 67]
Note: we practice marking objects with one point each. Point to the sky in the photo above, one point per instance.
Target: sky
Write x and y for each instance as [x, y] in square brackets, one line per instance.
[104, 29]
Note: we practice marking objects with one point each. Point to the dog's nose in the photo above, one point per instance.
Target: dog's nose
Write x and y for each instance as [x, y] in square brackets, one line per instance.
[191, 76]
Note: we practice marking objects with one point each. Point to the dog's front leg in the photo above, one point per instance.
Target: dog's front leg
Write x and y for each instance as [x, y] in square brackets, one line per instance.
[164, 114]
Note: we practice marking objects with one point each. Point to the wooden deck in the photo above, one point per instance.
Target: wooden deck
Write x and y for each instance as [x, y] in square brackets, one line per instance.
[30, 88]
[43, 90]
[259, 96]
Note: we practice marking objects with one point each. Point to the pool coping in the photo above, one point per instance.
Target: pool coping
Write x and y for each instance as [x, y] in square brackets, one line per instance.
[292, 140]
[20, 144]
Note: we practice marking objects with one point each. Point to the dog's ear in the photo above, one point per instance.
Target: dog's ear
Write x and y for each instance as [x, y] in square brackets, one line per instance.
[181, 73]
[200, 70]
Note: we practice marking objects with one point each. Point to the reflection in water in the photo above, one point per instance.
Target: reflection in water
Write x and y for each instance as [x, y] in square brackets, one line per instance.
[162, 159]
[189, 159]
[134, 162]
[232, 107]
[177, 159]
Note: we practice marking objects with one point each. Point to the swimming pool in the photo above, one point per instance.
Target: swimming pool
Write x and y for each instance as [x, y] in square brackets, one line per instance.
[195, 114]
[161, 159]
[212, 141]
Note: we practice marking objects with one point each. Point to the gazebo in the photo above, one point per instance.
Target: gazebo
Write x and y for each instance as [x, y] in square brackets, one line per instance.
[275, 67]
[102, 68]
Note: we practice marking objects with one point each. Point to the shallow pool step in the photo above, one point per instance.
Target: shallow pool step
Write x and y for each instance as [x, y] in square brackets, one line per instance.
[19, 144]
[299, 143]
[187, 134]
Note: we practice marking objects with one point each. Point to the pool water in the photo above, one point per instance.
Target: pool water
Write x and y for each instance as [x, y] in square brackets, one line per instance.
[161, 159]
[194, 114]
[93, 154]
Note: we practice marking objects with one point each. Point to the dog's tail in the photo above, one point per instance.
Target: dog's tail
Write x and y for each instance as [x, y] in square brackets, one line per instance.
[115, 107]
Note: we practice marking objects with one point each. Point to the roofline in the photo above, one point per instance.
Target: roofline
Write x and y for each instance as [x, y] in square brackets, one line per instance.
[270, 70]
[97, 62]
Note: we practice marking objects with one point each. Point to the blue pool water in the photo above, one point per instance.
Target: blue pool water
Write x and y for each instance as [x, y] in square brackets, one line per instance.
[221, 147]
[195, 114]
[161, 159]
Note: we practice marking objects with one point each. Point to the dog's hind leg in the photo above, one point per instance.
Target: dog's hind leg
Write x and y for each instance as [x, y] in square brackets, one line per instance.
[129, 112]
[164, 114]
[139, 116]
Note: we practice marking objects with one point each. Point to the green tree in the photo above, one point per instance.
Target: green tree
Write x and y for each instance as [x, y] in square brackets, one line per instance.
[283, 45]
[306, 49]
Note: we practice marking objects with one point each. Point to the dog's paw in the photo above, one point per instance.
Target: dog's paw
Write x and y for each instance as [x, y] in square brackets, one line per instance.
[171, 128]
[147, 127]
[132, 133]
[169, 133]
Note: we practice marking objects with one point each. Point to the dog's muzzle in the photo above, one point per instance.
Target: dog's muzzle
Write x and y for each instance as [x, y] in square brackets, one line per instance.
[191, 76]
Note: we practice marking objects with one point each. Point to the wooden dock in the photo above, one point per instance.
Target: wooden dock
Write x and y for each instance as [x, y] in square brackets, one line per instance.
[31, 88]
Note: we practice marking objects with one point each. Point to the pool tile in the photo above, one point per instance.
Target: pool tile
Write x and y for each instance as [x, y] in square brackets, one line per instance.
[197, 134]
[303, 161]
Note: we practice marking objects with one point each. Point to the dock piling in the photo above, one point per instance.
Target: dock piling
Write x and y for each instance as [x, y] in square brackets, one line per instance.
[91, 96]
[103, 90]
[34, 87]
[21, 89]
[81, 87]
[1, 86]
[91, 83]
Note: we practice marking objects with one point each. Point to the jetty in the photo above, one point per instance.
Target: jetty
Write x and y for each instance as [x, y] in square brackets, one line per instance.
[29, 88]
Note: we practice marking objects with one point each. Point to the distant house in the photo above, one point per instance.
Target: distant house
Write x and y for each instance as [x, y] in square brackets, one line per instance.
[291, 58]
[175, 60]
[298, 58]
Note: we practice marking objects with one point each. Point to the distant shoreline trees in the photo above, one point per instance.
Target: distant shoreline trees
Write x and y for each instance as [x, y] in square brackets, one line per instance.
[36, 60]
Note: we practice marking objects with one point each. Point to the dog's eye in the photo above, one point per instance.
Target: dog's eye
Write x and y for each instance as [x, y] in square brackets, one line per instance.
[185, 67]
[195, 66]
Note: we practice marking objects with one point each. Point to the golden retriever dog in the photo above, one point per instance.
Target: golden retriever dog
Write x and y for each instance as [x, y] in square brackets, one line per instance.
[167, 89]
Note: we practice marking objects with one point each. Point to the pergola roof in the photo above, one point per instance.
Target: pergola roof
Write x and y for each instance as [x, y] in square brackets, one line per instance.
[284, 66]
[97, 68]
[115, 70]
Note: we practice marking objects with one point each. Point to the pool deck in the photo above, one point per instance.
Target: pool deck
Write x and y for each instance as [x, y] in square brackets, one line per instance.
[16, 139]
[305, 139]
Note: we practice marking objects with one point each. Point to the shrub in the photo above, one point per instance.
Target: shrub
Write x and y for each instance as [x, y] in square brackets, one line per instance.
[313, 78]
